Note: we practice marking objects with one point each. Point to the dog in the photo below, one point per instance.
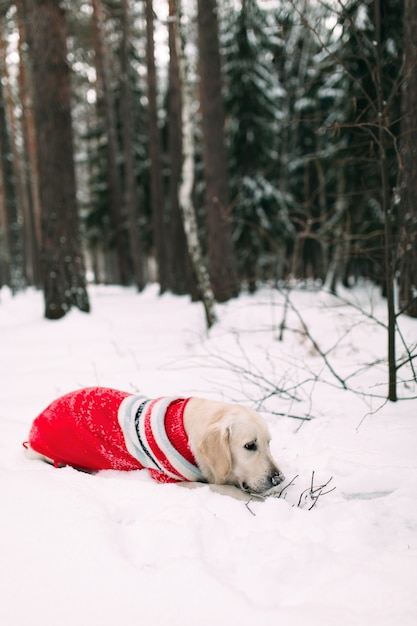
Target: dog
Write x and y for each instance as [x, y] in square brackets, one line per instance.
[176, 439]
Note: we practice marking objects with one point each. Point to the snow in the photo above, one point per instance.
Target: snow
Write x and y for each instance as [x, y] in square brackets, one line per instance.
[120, 548]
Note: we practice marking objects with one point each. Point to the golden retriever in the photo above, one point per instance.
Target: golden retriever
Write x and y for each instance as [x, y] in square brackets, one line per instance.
[176, 439]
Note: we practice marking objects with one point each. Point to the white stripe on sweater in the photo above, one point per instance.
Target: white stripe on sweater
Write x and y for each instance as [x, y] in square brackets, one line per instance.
[134, 415]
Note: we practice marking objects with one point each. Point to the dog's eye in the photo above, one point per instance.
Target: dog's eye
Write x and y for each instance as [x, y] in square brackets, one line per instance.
[251, 446]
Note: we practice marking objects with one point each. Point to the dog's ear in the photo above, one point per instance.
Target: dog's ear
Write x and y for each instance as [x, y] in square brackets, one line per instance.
[215, 451]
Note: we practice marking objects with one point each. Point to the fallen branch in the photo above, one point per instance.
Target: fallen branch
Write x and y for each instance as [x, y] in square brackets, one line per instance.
[305, 418]
[314, 493]
[309, 496]
[248, 507]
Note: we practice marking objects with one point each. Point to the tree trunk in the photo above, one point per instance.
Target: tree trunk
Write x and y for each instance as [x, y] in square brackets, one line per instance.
[187, 183]
[222, 262]
[4, 265]
[157, 194]
[131, 190]
[32, 224]
[335, 271]
[63, 266]
[104, 99]
[22, 198]
[407, 251]
[387, 209]
[181, 276]
[12, 237]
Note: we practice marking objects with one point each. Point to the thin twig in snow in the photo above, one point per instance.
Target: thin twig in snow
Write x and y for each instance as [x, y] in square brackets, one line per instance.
[306, 418]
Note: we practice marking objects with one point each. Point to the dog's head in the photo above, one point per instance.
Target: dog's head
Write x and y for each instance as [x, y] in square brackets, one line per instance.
[235, 450]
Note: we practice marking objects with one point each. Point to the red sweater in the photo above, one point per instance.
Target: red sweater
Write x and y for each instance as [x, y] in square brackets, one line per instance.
[99, 428]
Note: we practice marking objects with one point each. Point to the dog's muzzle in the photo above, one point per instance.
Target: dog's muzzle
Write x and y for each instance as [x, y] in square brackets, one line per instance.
[273, 480]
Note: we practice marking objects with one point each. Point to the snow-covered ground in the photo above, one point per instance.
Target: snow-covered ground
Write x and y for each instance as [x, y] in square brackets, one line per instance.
[118, 548]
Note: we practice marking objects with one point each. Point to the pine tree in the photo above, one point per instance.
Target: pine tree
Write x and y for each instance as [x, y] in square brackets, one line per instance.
[370, 59]
[253, 104]
[310, 104]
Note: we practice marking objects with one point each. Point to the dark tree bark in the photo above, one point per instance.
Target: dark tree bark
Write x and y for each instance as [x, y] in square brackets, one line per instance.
[157, 195]
[222, 262]
[386, 206]
[63, 265]
[408, 176]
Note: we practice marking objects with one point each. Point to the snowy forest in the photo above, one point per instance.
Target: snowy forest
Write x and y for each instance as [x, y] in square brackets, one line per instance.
[212, 199]
[211, 146]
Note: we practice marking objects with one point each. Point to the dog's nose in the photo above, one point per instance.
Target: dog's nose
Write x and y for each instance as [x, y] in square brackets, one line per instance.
[277, 478]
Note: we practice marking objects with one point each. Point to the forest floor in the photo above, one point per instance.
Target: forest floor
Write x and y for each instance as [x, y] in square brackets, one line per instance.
[119, 548]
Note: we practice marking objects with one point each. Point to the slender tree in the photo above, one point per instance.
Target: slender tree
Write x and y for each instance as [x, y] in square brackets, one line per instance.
[32, 217]
[16, 197]
[8, 218]
[407, 252]
[106, 104]
[131, 195]
[157, 195]
[181, 275]
[185, 190]
[222, 261]
[63, 265]
[11, 246]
